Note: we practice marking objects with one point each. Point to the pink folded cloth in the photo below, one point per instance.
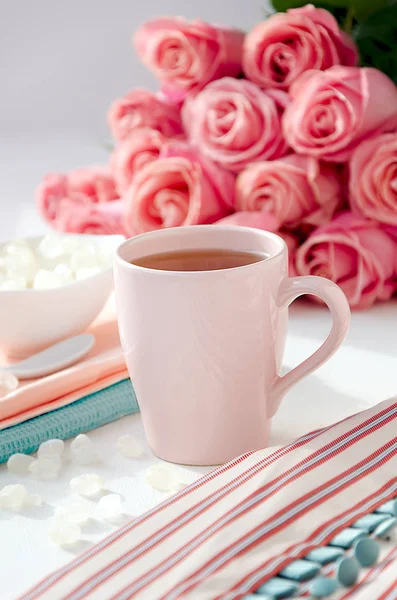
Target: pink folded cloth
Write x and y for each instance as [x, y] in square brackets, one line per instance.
[227, 534]
[103, 366]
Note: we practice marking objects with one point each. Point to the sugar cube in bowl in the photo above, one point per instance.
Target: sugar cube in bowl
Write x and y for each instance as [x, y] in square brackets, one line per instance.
[52, 287]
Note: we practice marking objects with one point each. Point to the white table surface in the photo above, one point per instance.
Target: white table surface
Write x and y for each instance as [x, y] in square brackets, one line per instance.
[361, 374]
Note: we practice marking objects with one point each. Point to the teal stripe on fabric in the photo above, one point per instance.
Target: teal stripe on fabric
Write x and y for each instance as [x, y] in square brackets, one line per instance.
[80, 416]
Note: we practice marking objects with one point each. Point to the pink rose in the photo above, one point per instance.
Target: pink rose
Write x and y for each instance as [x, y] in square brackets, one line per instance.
[373, 179]
[142, 146]
[332, 111]
[94, 182]
[180, 188]
[100, 219]
[90, 185]
[257, 220]
[185, 56]
[295, 189]
[141, 108]
[234, 123]
[391, 231]
[49, 193]
[286, 45]
[354, 253]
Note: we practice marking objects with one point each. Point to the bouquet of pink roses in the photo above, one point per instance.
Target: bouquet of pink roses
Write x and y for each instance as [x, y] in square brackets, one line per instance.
[277, 129]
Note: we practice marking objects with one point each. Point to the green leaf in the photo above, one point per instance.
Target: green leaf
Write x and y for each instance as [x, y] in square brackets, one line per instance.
[376, 38]
[365, 8]
[335, 7]
[283, 5]
[374, 24]
[361, 9]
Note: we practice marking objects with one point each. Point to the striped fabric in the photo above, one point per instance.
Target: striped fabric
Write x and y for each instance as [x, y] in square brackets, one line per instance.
[232, 530]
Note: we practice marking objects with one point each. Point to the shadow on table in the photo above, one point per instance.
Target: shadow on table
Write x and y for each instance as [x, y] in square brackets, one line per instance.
[40, 513]
[37, 513]
[78, 547]
[310, 405]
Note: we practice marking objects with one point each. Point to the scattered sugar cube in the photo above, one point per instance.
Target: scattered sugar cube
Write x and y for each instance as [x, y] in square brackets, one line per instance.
[80, 441]
[109, 508]
[63, 532]
[65, 273]
[163, 478]
[13, 497]
[18, 464]
[51, 448]
[76, 512]
[45, 279]
[83, 451]
[16, 242]
[86, 272]
[8, 383]
[129, 447]
[46, 467]
[177, 489]
[106, 256]
[181, 486]
[19, 261]
[88, 484]
[85, 257]
[21, 250]
[52, 246]
[58, 260]
[34, 500]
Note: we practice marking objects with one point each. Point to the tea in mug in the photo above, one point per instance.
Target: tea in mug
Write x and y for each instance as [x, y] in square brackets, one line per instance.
[199, 260]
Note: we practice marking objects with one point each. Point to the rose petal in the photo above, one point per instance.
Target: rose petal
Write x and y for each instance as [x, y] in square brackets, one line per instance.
[186, 55]
[176, 189]
[296, 189]
[234, 123]
[142, 108]
[258, 219]
[285, 45]
[332, 111]
[373, 179]
[356, 254]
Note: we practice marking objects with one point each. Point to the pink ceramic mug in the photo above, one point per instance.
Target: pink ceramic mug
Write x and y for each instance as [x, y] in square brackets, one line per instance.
[204, 349]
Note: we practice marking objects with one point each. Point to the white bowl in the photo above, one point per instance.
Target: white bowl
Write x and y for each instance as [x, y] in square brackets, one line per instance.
[31, 320]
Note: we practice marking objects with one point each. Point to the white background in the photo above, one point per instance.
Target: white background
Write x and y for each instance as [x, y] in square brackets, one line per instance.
[61, 64]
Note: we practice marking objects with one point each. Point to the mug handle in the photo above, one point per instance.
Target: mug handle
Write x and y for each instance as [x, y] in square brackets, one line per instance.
[290, 289]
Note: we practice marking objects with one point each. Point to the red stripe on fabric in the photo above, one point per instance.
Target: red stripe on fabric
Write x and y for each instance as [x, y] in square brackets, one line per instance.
[242, 478]
[99, 547]
[392, 589]
[182, 550]
[379, 567]
[48, 582]
[279, 453]
[391, 592]
[285, 523]
[355, 512]
[129, 526]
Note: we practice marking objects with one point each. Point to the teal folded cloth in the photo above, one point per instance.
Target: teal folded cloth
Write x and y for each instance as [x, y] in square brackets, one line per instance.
[80, 416]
